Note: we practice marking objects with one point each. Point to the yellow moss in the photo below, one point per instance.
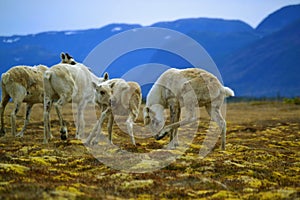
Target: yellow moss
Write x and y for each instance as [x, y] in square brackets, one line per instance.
[39, 161]
[78, 185]
[122, 176]
[15, 168]
[64, 192]
[208, 159]
[146, 165]
[70, 189]
[235, 128]
[290, 143]
[199, 193]
[24, 150]
[28, 180]
[43, 160]
[233, 163]
[227, 152]
[75, 142]
[6, 183]
[195, 146]
[176, 151]
[189, 156]
[81, 185]
[249, 190]
[23, 159]
[273, 146]
[261, 166]
[51, 159]
[113, 150]
[144, 196]
[248, 172]
[203, 192]
[42, 152]
[137, 184]
[278, 194]
[224, 194]
[61, 177]
[268, 183]
[61, 165]
[190, 170]
[296, 169]
[76, 162]
[278, 175]
[280, 155]
[74, 174]
[239, 148]
[252, 182]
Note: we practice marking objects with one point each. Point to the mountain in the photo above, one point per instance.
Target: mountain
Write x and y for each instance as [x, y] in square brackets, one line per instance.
[45, 48]
[279, 19]
[254, 62]
[205, 25]
[218, 36]
[268, 67]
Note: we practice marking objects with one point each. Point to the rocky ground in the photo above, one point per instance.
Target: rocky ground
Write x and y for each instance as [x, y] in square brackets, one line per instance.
[262, 161]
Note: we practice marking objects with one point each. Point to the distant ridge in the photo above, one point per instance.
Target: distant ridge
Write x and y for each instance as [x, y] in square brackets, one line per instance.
[279, 19]
[268, 67]
[206, 25]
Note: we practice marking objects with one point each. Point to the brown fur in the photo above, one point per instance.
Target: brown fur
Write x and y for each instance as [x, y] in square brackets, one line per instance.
[22, 84]
[136, 99]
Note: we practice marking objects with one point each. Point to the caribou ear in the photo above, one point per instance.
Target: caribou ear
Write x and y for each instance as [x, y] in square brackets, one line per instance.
[68, 56]
[112, 84]
[106, 76]
[94, 85]
[62, 56]
[147, 109]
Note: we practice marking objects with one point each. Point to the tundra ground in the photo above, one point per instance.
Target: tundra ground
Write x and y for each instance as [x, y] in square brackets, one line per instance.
[261, 161]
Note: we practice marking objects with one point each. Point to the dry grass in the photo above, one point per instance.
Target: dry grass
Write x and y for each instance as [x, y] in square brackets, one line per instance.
[261, 161]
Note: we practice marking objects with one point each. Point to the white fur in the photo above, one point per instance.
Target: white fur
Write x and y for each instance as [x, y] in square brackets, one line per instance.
[68, 83]
[126, 98]
[189, 88]
[229, 92]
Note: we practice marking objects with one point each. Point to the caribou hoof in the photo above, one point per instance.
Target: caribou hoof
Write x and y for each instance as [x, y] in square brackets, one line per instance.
[63, 137]
[160, 136]
[64, 133]
[2, 133]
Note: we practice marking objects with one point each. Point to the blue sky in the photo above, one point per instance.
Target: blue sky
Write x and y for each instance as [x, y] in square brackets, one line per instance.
[34, 16]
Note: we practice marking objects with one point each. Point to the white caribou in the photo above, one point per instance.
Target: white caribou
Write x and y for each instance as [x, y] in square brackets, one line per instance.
[22, 84]
[116, 97]
[64, 83]
[177, 88]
